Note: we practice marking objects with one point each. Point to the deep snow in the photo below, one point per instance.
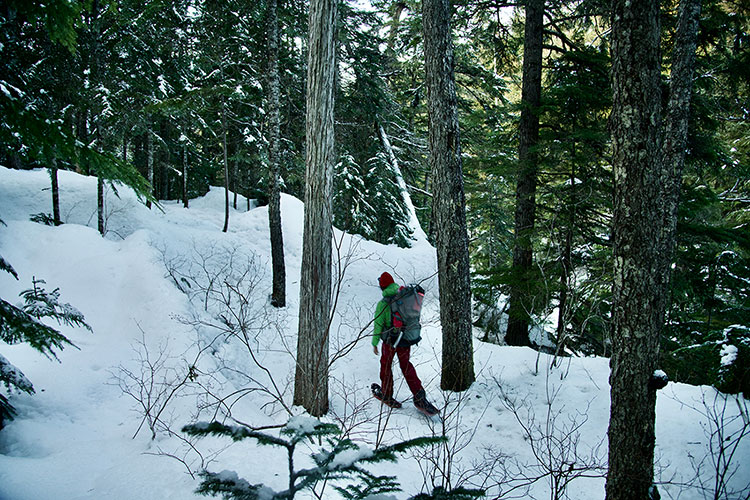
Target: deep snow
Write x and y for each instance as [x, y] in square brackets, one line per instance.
[73, 439]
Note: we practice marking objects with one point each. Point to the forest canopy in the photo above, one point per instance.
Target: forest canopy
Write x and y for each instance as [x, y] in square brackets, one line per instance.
[171, 97]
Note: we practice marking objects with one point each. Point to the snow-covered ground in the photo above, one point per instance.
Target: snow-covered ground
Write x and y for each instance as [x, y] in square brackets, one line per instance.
[140, 290]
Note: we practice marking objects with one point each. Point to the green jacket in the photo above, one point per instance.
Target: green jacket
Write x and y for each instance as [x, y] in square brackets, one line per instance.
[383, 313]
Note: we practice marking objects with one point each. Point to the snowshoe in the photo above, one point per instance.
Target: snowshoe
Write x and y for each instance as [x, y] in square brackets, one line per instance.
[421, 404]
[377, 393]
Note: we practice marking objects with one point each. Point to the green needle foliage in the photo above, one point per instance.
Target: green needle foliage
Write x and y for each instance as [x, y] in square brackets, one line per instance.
[23, 325]
[340, 459]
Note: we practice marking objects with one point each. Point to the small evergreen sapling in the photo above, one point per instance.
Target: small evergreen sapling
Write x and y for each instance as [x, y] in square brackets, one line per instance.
[341, 459]
[23, 324]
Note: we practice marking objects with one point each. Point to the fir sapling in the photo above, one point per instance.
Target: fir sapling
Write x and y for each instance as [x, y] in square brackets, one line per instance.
[23, 325]
[340, 460]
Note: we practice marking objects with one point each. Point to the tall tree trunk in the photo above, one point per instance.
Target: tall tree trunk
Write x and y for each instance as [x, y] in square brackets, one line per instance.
[224, 146]
[449, 203]
[235, 182]
[311, 375]
[648, 175]
[565, 264]
[521, 289]
[163, 168]
[185, 201]
[55, 193]
[638, 220]
[100, 204]
[278, 295]
[150, 159]
[678, 112]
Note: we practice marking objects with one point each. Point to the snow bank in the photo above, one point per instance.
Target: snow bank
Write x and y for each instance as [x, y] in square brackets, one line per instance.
[74, 438]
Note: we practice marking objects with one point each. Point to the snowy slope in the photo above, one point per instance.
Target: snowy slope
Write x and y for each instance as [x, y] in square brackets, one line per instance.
[74, 438]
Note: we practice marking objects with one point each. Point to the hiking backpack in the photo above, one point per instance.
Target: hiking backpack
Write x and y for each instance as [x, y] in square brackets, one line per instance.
[406, 308]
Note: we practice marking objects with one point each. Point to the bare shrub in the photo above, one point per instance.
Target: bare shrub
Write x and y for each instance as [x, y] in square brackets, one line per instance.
[719, 473]
[555, 443]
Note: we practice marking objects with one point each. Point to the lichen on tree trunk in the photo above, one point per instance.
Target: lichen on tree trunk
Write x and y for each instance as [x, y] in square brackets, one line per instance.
[449, 216]
[311, 375]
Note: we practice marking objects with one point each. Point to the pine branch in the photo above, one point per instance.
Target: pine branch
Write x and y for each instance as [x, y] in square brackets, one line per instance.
[18, 326]
[236, 433]
[229, 485]
[12, 377]
[5, 266]
[42, 304]
[440, 493]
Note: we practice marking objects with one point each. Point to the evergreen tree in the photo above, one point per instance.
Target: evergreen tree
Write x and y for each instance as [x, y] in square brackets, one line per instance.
[351, 208]
[449, 205]
[24, 325]
[37, 103]
[520, 306]
[311, 374]
[278, 297]
[338, 460]
[638, 222]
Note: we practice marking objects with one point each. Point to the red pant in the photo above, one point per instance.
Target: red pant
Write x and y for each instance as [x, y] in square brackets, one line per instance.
[386, 374]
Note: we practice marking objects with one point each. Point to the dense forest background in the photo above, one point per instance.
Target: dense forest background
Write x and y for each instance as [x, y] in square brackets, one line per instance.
[171, 97]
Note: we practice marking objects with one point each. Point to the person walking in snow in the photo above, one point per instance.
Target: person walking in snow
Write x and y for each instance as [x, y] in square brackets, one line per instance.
[384, 330]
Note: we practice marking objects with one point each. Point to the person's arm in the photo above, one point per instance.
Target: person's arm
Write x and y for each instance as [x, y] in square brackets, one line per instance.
[380, 323]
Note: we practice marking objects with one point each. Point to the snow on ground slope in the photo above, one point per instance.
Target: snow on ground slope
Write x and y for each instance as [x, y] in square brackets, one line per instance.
[140, 290]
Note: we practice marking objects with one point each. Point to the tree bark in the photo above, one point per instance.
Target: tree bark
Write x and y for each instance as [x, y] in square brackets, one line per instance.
[311, 375]
[521, 298]
[226, 163]
[55, 193]
[566, 265]
[637, 315]
[100, 205]
[150, 159]
[185, 201]
[449, 203]
[678, 112]
[647, 185]
[278, 295]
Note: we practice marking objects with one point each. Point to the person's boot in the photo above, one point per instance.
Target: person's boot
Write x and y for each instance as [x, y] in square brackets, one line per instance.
[421, 403]
[377, 392]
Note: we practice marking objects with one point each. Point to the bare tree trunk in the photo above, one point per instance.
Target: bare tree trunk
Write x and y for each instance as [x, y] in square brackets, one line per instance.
[678, 112]
[150, 159]
[100, 204]
[278, 295]
[55, 193]
[185, 201]
[566, 264]
[638, 214]
[226, 163]
[311, 376]
[235, 177]
[449, 203]
[648, 175]
[520, 292]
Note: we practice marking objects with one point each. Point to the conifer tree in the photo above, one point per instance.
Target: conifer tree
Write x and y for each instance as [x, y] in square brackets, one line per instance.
[23, 325]
[638, 220]
[311, 373]
[339, 460]
[522, 272]
[278, 297]
[449, 206]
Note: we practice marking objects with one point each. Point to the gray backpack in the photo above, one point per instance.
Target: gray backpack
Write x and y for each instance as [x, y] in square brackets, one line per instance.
[406, 309]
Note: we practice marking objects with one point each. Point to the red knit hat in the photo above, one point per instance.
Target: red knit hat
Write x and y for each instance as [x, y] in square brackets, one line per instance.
[385, 280]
